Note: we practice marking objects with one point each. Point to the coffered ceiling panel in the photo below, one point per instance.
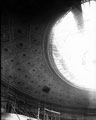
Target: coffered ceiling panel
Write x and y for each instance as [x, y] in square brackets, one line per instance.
[25, 66]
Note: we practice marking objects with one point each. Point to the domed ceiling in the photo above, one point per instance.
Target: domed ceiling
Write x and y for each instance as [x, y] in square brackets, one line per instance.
[24, 64]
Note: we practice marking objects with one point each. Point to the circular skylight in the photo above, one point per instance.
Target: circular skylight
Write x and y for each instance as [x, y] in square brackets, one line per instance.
[73, 46]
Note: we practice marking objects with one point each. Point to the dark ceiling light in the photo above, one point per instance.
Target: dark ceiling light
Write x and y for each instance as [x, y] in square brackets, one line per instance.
[72, 51]
[46, 89]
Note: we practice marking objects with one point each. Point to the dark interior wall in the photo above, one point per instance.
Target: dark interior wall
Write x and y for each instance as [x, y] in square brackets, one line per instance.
[14, 101]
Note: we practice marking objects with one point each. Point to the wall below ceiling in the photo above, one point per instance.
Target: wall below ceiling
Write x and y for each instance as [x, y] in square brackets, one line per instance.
[14, 101]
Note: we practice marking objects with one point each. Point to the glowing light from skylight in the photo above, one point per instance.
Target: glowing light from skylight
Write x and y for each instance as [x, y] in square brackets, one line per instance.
[75, 49]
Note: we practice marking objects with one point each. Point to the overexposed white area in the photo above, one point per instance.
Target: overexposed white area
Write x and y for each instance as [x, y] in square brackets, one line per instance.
[12, 116]
[74, 48]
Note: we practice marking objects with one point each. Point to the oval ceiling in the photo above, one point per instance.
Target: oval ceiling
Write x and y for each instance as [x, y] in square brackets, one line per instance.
[73, 47]
[23, 63]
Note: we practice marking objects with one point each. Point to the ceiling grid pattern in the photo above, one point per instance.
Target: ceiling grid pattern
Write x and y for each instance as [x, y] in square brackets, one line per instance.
[24, 65]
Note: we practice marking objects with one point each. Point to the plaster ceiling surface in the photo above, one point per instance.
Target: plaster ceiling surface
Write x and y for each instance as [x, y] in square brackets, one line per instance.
[24, 64]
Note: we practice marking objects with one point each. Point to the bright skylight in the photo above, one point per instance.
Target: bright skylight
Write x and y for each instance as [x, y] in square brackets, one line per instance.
[75, 48]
